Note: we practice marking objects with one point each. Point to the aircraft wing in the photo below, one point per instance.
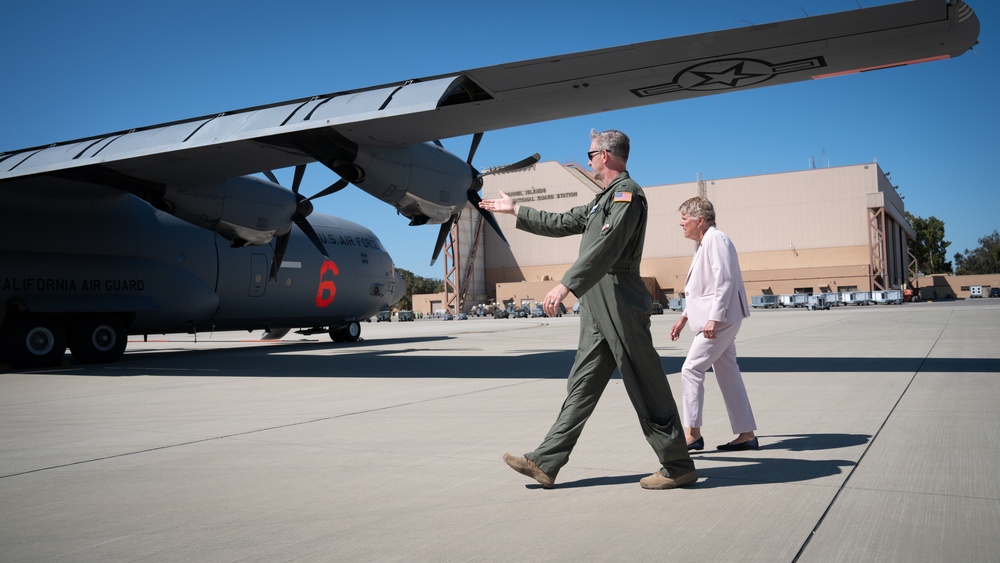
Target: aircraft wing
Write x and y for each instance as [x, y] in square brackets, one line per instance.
[328, 128]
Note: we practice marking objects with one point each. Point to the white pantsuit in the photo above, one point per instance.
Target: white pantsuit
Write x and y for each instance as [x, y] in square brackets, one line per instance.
[714, 292]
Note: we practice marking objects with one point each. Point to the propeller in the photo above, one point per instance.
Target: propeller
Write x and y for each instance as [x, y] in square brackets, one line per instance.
[442, 235]
[302, 210]
[473, 192]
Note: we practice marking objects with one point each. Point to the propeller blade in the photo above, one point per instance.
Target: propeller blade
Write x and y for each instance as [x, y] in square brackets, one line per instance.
[303, 210]
[442, 234]
[438, 143]
[474, 199]
[331, 189]
[279, 254]
[282, 244]
[476, 139]
[310, 233]
[523, 163]
[300, 170]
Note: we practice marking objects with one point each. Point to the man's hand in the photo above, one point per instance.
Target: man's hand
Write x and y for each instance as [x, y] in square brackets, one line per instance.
[554, 298]
[503, 204]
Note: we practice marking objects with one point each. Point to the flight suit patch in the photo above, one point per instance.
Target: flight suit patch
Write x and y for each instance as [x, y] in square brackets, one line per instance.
[623, 196]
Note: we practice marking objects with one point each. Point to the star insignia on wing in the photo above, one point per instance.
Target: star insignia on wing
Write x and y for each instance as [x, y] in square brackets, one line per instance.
[729, 77]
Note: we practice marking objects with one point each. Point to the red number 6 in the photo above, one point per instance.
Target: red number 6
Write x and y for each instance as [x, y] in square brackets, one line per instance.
[327, 289]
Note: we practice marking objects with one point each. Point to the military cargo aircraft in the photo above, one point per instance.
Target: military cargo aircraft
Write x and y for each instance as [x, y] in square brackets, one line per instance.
[172, 228]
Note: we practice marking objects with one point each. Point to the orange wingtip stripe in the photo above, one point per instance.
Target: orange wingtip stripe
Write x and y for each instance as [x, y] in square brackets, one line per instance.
[866, 69]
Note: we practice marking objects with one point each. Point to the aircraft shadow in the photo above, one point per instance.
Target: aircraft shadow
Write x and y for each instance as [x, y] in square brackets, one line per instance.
[413, 357]
[356, 359]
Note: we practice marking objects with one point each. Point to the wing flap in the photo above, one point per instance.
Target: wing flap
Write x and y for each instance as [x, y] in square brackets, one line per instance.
[227, 145]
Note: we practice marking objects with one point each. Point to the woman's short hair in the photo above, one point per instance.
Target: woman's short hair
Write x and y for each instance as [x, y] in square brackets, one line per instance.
[698, 207]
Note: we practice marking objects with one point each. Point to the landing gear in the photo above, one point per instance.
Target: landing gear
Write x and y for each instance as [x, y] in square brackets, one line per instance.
[33, 341]
[98, 339]
[350, 332]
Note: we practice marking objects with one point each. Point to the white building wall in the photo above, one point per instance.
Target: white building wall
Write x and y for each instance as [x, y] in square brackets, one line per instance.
[789, 223]
[821, 208]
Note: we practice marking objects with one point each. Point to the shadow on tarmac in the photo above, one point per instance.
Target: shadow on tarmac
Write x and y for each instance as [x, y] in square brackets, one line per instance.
[752, 470]
[864, 365]
[330, 359]
[396, 358]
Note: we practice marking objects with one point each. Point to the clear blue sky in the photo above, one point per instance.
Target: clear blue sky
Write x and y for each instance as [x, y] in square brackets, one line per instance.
[77, 69]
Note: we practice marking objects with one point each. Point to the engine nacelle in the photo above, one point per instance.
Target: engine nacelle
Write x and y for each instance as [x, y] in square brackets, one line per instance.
[243, 210]
[424, 182]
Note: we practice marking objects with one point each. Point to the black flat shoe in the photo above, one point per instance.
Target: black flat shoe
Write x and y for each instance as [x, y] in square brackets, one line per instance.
[698, 444]
[750, 444]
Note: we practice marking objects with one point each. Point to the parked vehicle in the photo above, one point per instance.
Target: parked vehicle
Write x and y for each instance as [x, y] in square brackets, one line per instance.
[817, 301]
[764, 301]
[888, 297]
[832, 298]
[855, 297]
[995, 292]
[794, 299]
[383, 316]
[405, 316]
[657, 308]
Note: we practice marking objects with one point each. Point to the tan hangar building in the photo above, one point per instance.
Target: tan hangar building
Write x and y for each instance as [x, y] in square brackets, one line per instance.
[810, 231]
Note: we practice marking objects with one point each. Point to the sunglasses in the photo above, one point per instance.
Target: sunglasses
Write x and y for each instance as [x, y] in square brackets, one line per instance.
[591, 154]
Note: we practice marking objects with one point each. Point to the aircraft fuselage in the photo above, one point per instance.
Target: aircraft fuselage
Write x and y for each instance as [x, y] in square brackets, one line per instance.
[104, 258]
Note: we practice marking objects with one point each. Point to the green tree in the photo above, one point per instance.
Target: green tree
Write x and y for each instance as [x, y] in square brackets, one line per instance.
[930, 248]
[982, 260]
[418, 285]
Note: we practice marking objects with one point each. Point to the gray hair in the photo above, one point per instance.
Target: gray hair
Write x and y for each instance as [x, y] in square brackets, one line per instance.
[699, 207]
[613, 141]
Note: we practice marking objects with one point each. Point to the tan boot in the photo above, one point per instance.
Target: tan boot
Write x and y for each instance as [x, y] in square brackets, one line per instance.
[658, 481]
[527, 467]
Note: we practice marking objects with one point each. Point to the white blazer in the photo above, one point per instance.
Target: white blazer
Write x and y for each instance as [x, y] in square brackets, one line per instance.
[714, 288]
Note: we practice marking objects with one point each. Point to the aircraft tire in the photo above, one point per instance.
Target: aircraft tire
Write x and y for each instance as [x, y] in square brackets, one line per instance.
[33, 341]
[350, 332]
[96, 339]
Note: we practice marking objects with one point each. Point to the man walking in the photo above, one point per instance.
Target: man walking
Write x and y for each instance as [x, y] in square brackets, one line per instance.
[614, 320]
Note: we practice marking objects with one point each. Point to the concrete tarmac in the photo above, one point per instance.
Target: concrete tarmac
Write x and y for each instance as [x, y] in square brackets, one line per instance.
[879, 432]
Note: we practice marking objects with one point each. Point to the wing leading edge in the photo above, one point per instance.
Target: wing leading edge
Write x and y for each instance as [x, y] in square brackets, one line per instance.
[329, 128]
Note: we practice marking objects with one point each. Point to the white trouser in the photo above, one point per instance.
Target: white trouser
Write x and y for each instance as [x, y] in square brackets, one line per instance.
[718, 353]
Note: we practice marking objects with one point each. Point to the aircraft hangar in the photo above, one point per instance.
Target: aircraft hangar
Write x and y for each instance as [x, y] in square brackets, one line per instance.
[811, 231]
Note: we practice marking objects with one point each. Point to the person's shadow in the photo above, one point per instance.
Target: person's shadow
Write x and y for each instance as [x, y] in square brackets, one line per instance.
[749, 469]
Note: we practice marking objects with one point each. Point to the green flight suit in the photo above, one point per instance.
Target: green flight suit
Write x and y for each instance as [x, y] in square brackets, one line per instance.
[614, 326]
